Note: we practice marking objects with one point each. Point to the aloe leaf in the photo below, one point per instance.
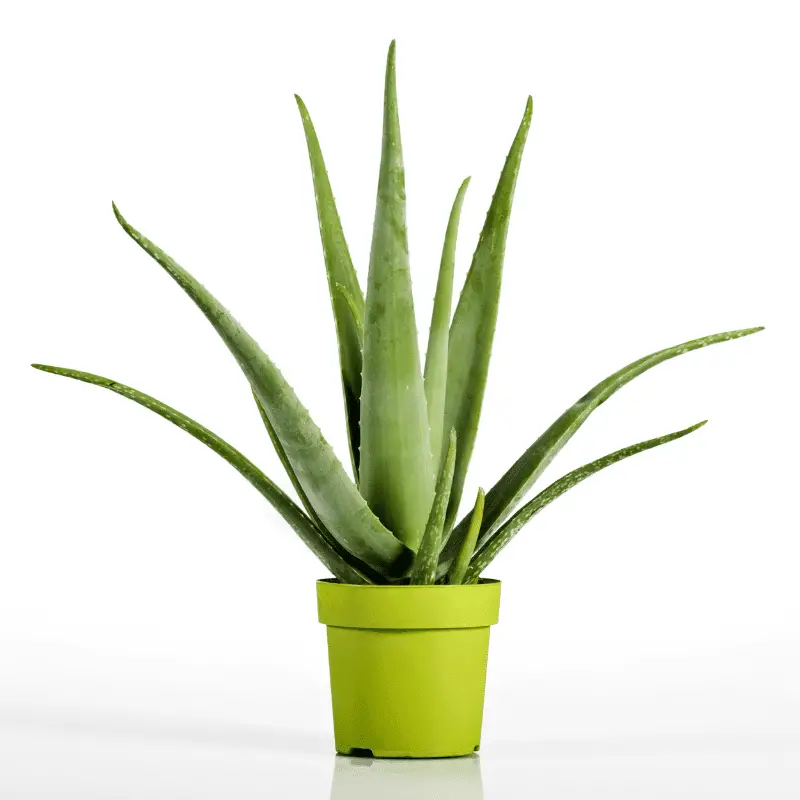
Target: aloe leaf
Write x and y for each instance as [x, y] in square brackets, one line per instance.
[472, 329]
[460, 566]
[370, 574]
[358, 317]
[395, 472]
[298, 521]
[427, 557]
[500, 538]
[506, 494]
[436, 357]
[286, 465]
[327, 486]
[348, 312]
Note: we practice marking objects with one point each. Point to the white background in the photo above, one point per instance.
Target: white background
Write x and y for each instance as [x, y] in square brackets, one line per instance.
[158, 634]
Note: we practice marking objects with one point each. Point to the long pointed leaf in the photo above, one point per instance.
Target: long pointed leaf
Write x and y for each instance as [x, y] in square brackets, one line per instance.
[436, 357]
[339, 268]
[333, 495]
[498, 540]
[299, 522]
[364, 569]
[281, 453]
[371, 575]
[395, 473]
[472, 330]
[460, 566]
[506, 494]
[427, 557]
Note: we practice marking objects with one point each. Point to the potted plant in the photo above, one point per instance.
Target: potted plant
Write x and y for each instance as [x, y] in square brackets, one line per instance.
[408, 611]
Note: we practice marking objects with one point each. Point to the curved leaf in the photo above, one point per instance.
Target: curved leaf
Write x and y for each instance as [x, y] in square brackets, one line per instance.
[299, 522]
[327, 486]
[339, 268]
[364, 569]
[472, 330]
[395, 472]
[518, 479]
[427, 557]
[281, 453]
[436, 357]
[498, 540]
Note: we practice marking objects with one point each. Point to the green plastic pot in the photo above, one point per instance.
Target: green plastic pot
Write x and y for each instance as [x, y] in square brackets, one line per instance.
[408, 666]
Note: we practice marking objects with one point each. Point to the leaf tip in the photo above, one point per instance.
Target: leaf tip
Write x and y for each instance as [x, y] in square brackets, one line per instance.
[48, 368]
[391, 60]
[528, 108]
[122, 221]
[690, 429]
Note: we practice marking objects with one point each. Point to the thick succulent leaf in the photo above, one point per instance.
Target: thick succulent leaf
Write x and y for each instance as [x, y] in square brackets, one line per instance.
[460, 566]
[506, 494]
[427, 557]
[500, 538]
[472, 329]
[436, 357]
[348, 312]
[364, 569]
[327, 486]
[395, 472]
[299, 522]
[286, 465]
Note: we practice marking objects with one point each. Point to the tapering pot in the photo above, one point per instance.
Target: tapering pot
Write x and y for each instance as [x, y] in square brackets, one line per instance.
[408, 666]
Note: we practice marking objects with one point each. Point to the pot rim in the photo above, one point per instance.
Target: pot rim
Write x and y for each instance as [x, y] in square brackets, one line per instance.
[404, 607]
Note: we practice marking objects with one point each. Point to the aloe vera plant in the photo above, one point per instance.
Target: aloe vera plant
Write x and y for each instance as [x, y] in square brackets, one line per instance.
[411, 426]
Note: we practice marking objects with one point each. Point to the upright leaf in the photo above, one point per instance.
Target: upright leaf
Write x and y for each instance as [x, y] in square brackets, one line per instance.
[339, 268]
[395, 473]
[331, 556]
[460, 566]
[500, 538]
[325, 483]
[506, 494]
[436, 357]
[472, 330]
[427, 557]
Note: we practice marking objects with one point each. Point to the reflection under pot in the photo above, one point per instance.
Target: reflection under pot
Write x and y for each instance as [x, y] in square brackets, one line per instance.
[401, 778]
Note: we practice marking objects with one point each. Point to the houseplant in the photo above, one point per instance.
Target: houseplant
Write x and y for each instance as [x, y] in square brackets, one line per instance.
[408, 613]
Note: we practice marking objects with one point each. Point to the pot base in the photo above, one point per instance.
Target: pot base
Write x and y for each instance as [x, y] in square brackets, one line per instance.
[364, 752]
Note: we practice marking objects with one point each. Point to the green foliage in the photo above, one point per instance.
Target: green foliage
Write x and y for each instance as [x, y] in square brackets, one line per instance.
[394, 523]
[458, 570]
[427, 558]
[500, 538]
[439, 336]
[348, 302]
[472, 329]
[336, 559]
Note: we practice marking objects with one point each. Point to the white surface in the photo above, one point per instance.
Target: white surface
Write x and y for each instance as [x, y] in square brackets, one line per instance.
[106, 758]
[157, 621]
